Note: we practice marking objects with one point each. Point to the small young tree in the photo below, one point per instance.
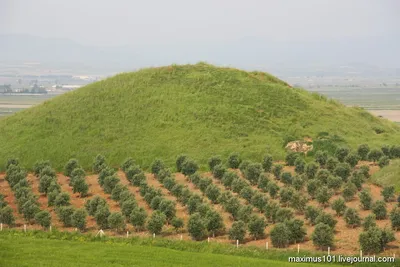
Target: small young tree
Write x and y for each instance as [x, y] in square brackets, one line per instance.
[334, 182]
[189, 167]
[374, 155]
[116, 221]
[7, 216]
[270, 211]
[298, 202]
[80, 186]
[64, 213]
[267, 163]
[138, 218]
[263, 181]
[322, 236]
[243, 165]
[395, 218]
[130, 172]
[363, 151]
[343, 170]
[218, 171]
[326, 218]
[364, 169]
[277, 170]
[331, 163]
[109, 183]
[101, 216]
[341, 153]
[352, 159]
[321, 157]
[238, 184]
[352, 218]
[70, 166]
[339, 206]
[312, 187]
[291, 158]
[252, 172]
[323, 195]
[300, 165]
[214, 161]
[280, 235]
[193, 203]
[379, 209]
[365, 199]
[43, 218]
[78, 219]
[168, 208]
[349, 191]
[157, 166]
[311, 214]
[127, 163]
[311, 170]
[94, 203]
[156, 222]
[256, 227]
[130, 204]
[179, 162]
[244, 213]
[374, 240]
[297, 231]
[369, 222]
[99, 163]
[259, 201]
[214, 222]
[287, 178]
[247, 193]
[237, 231]
[77, 173]
[228, 178]
[323, 175]
[273, 189]
[232, 206]
[204, 183]
[177, 223]
[388, 193]
[63, 199]
[286, 194]
[117, 191]
[284, 214]
[383, 161]
[168, 182]
[39, 165]
[357, 179]
[234, 161]
[197, 226]
[298, 182]
[44, 183]
[395, 151]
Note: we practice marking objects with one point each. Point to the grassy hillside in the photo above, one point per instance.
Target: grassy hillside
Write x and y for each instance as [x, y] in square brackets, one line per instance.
[388, 175]
[199, 110]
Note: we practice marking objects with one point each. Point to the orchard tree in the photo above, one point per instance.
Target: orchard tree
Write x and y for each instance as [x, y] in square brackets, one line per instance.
[238, 184]
[341, 153]
[247, 193]
[339, 206]
[109, 183]
[326, 218]
[43, 218]
[263, 181]
[214, 222]
[352, 218]
[189, 167]
[138, 218]
[364, 169]
[64, 213]
[363, 151]
[78, 219]
[271, 210]
[321, 157]
[218, 171]
[369, 222]
[374, 240]
[379, 209]
[259, 201]
[300, 165]
[256, 227]
[232, 206]
[284, 214]
[323, 175]
[234, 161]
[214, 161]
[252, 172]
[99, 163]
[193, 203]
[273, 189]
[244, 213]
[331, 163]
[63, 199]
[44, 183]
[388, 193]
[297, 231]
[228, 178]
[395, 218]
[375, 154]
[286, 194]
[267, 163]
[127, 163]
[157, 166]
[177, 223]
[311, 170]
[116, 221]
[286, 178]
[101, 216]
[291, 158]
[80, 186]
[365, 199]
[343, 170]
[168, 208]
[179, 162]
[322, 236]
[323, 195]
[334, 182]
[311, 213]
[204, 183]
[116, 192]
[154, 204]
[243, 165]
[93, 204]
[357, 179]
[280, 235]
[312, 187]
[70, 166]
[298, 202]
[352, 159]
[349, 191]
[298, 182]
[156, 222]
[383, 161]
[7, 216]
[39, 165]
[277, 170]
[237, 231]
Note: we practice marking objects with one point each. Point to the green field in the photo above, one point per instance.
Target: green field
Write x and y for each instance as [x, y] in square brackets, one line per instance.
[200, 110]
[18, 249]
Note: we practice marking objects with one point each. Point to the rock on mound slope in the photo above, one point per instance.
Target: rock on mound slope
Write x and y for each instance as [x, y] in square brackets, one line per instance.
[200, 110]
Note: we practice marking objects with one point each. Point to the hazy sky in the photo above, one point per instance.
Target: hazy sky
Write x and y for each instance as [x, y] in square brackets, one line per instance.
[123, 22]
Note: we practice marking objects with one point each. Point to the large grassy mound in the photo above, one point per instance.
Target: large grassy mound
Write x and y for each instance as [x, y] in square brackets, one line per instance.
[199, 110]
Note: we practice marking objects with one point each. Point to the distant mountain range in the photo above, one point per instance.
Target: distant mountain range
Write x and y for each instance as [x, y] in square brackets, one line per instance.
[250, 53]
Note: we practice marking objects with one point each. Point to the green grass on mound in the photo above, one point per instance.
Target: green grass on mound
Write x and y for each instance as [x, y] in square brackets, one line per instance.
[200, 110]
[389, 175]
